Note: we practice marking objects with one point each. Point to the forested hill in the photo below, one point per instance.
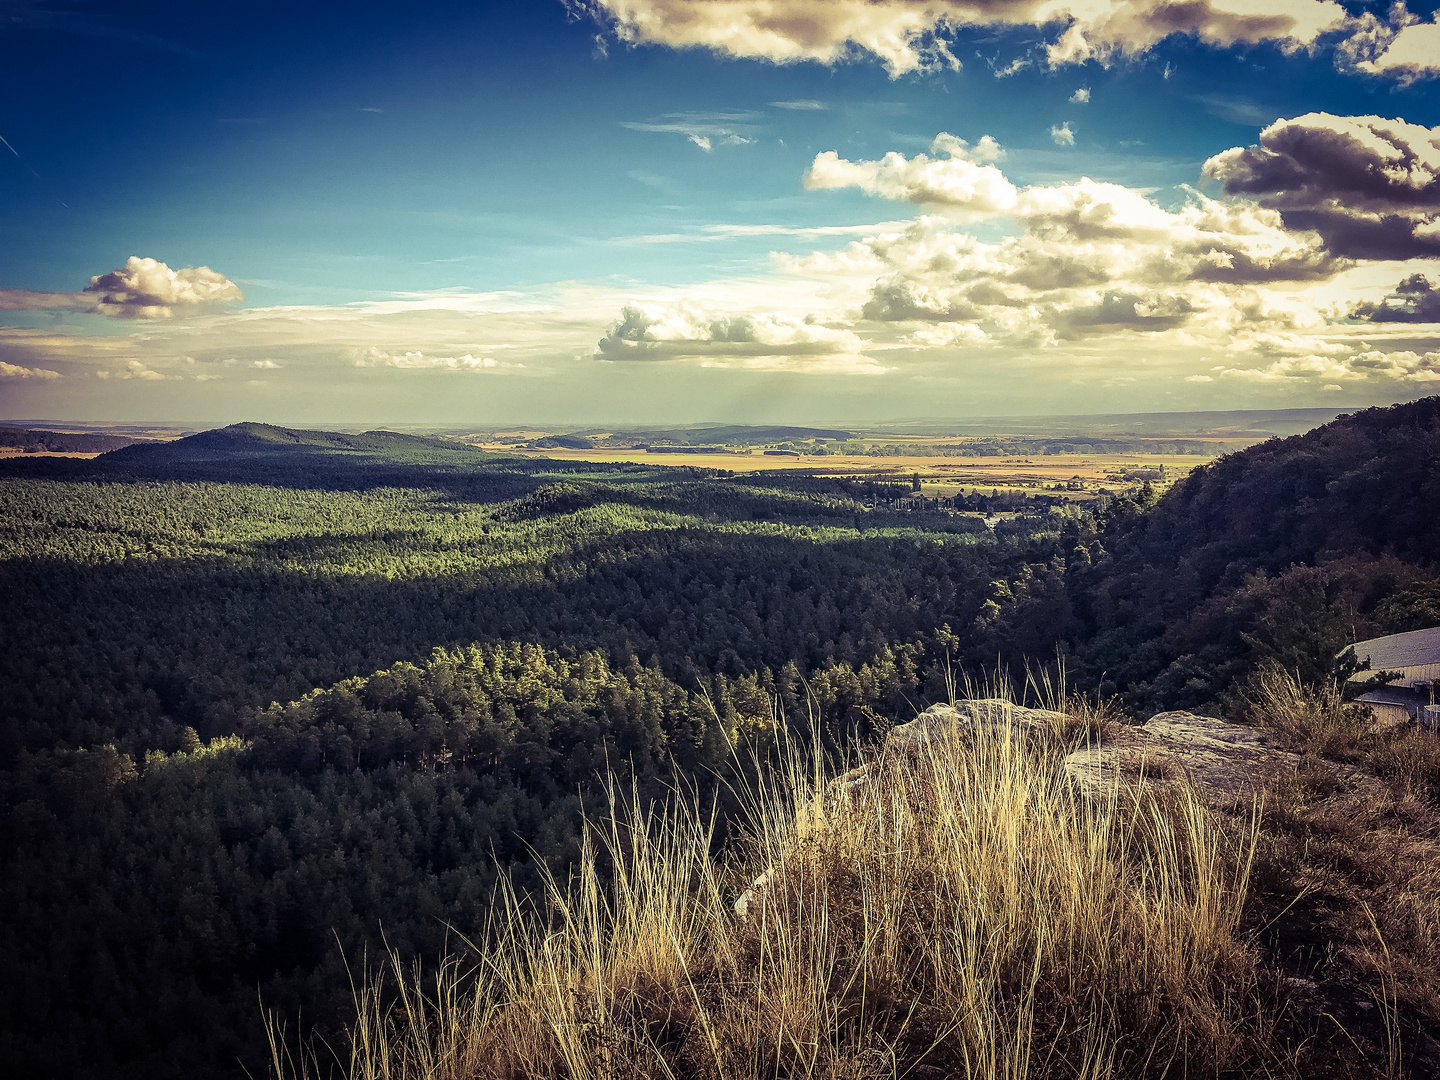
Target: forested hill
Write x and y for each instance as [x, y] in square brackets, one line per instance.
[1366, 482]
[36, 440]
[1288, 549]
[251, 441]
[262, 453]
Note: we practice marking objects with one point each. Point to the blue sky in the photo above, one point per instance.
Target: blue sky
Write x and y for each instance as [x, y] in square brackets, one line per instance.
[662, 210]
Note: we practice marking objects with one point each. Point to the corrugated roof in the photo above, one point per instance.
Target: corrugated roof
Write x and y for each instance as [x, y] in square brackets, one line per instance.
[1418, 648]
[1407, 698]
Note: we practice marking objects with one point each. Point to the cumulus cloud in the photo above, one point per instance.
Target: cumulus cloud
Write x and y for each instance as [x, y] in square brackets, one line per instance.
[961, 181]
[1416, 301]
[419, 361]
[15, 371]
[1406, 49]
[1365, 365]
[762, 340]
[1081, 96]
[148, 289]
[913, 35]
[947, 335]
[1369, 186]
[1061, 135]
[133, 369]
[1149, 312]
[1092, 259]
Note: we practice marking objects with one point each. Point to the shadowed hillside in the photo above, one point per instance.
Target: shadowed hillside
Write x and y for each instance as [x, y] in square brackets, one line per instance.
[1287, 550]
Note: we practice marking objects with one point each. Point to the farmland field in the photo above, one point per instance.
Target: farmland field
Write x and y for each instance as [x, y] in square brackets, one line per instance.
[940, 475]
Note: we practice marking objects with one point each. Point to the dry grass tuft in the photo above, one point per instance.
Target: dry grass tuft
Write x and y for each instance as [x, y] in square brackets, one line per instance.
[957, 913]
[1346, 884]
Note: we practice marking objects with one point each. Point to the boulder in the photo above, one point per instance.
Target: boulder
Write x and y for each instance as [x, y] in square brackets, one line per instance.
[951, 721]
[944, 722]
[1219, 759]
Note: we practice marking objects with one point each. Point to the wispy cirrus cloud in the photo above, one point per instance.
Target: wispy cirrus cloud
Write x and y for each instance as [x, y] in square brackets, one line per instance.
[31, 300]
[713, 233]
[705, 130]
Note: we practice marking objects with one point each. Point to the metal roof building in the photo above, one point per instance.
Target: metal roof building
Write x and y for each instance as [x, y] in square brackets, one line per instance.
[1416, 656]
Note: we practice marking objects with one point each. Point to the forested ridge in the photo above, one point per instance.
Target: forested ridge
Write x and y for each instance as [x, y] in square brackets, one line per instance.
[268, 692]
[1288, 550]
[38, 440]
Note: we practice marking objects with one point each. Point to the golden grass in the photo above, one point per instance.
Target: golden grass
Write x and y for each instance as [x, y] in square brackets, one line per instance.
[959, 912]
[1346, 882]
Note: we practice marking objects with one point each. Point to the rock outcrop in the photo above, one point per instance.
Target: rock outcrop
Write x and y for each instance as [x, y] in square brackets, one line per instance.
[952, 721]
[1218, 759]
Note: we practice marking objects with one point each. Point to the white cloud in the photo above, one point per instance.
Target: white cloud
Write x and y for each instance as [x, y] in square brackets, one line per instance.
[418, 361]
[133, 369]
[1348, 366]
[1081, 96]
[764, 340]
[705, 130]
[15, 371]
[845, 364]
[947, 335]
[961, 182]
[1093, 262]
[1410, 54]
[1061, 135]
[906, 35]
[148, 289]
[1081, 283]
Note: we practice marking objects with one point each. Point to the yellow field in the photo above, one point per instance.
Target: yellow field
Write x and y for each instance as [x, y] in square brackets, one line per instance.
[938, 475]
[15, 451]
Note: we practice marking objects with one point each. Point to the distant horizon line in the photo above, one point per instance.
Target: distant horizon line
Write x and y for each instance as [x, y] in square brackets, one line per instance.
[623, 425]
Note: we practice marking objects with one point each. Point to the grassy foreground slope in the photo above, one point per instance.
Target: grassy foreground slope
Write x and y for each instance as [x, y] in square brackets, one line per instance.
[960, 911]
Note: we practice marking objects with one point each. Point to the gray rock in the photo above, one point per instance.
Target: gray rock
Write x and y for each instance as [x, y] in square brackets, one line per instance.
[950, 721]
[946, 720]
[943, 722]
[1219, 759]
